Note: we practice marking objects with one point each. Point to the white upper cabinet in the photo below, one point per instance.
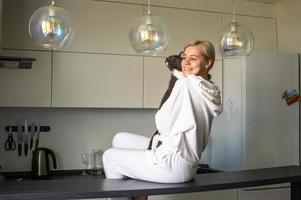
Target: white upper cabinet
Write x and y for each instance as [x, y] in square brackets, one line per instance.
[156, 78]
[15, 18]
[94, 80]
[101, 26]
[251, 8]
[187, 25]
[27, 87]
[100, 68]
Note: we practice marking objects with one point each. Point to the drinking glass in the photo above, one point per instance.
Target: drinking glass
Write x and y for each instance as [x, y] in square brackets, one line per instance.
[85, 162]
[96, 161]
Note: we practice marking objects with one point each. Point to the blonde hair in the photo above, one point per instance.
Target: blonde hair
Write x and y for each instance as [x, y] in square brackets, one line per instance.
[207, 49]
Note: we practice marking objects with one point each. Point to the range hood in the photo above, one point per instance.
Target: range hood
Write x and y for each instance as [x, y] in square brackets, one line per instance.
[16, 62]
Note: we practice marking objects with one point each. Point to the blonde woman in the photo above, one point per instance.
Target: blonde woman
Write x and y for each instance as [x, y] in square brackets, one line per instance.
[183, 121]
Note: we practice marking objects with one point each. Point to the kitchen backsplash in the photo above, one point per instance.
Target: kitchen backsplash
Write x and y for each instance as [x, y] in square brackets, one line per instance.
[73, 132]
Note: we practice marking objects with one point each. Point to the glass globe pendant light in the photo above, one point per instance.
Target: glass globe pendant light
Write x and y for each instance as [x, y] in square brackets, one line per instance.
[236, 39]
[50, 27]
[148, 35]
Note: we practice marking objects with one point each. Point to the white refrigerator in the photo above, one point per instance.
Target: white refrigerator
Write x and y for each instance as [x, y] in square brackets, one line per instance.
[257, 128]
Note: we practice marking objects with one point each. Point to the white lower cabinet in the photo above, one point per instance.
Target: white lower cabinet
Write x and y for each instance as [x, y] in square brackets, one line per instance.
[212, 195]
[155, 197]
[163, 197]
[97, 199]
[272, 192]
[276, 192]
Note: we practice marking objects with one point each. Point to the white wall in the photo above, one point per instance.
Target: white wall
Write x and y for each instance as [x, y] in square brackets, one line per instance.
[289, 29]
[289, 25]
[74, 131]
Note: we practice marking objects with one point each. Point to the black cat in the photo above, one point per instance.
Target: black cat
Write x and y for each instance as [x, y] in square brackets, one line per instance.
[173, 62]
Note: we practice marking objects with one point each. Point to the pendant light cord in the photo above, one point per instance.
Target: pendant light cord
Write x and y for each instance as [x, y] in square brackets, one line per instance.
[148, 8]
[233, 10]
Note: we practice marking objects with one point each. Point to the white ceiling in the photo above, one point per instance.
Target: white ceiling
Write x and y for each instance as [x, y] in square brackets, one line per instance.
[266, 1]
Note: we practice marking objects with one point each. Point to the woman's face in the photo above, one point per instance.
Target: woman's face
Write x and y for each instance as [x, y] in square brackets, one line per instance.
[193, 62]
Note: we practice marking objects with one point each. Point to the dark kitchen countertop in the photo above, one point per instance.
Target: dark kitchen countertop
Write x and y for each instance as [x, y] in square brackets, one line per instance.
[81, 187]
[69, 174]
[55, 175]
[54, 187]
[62, 184]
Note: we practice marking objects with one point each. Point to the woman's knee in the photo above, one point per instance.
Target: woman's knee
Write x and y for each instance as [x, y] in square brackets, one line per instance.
[118, 139]
[109, 159]
[106, 156]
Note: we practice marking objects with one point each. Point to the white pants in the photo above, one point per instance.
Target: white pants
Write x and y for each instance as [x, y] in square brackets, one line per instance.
[129, 158]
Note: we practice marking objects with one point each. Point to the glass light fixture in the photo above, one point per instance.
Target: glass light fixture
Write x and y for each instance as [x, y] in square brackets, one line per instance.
[236, 39]
[50, 27]
[148, 34]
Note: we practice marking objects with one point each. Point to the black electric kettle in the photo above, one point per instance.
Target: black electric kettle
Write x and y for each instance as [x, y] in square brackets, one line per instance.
[40, 162]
